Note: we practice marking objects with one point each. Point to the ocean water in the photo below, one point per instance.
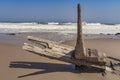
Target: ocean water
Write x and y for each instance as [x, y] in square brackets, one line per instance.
[88, 28]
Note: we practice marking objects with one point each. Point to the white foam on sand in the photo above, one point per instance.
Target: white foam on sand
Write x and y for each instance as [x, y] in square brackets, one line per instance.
[88, 28]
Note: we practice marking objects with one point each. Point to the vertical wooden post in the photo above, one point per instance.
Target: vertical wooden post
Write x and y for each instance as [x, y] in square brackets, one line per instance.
[79, 48]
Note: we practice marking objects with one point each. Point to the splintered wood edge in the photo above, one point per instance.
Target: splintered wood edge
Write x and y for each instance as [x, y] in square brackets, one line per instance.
[31, 47]
[32, 38]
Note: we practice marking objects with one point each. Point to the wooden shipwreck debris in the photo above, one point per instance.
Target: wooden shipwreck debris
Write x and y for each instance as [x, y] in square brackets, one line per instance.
[78, 56]
[86, 53]
[79, 48]
[56, 51]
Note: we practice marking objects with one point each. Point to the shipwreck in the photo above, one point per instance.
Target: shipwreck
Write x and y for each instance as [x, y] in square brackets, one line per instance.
[77, 56]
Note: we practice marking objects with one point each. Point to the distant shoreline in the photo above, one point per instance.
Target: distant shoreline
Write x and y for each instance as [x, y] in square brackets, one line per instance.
[60, 22]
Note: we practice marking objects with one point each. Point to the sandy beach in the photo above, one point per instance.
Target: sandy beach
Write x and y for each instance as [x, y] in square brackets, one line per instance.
[19, 64]
[59, 40]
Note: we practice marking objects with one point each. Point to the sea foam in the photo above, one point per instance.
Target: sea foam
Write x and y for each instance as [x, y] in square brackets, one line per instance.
[88, 28]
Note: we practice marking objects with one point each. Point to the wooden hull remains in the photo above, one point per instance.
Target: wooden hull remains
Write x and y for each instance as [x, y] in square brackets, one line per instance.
[57, 51]
[78, 55]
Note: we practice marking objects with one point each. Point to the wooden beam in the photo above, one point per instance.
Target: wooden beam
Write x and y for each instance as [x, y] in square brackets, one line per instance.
[79, 48]
[58, 56]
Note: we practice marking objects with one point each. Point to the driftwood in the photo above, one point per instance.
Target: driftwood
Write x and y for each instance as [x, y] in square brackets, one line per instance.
[52, 45]
[57, 52]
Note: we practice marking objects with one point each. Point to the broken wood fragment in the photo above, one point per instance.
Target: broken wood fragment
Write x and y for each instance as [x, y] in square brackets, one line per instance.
[55, 46]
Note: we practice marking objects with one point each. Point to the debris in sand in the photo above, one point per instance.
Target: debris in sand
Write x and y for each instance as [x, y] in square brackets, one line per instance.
[11, 34]
[117, 34]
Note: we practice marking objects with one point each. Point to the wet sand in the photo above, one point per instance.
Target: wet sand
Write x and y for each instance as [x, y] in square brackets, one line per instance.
[19, 64]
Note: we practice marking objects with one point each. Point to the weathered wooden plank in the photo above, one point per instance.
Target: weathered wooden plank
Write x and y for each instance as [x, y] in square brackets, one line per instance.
[52, 43]
[90, 55]
[55, 46]
[58, 56]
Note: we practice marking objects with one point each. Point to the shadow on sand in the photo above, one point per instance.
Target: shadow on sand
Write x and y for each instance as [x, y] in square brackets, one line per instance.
[50, 67]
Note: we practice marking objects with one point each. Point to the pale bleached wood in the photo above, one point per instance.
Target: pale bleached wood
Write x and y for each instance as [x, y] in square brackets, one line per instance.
[61, 48]
[52, 45]
[59, 56]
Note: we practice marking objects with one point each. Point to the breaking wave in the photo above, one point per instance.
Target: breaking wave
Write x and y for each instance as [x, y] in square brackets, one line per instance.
[88, 28]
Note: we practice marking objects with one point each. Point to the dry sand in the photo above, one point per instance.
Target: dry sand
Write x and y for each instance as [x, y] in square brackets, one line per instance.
[17, 64]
